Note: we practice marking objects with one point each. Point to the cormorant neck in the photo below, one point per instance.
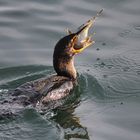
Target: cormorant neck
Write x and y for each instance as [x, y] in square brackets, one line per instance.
[64, 66]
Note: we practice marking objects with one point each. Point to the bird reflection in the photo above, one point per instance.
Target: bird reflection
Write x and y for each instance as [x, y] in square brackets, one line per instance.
[71, 124]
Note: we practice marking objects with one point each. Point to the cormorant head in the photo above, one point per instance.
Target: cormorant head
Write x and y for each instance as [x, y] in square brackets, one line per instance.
[69, 46]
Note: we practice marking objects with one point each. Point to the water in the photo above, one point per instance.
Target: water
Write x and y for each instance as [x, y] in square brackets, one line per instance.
[108, 105]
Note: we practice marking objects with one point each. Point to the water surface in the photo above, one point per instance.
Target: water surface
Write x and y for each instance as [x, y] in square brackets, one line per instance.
[108, 102]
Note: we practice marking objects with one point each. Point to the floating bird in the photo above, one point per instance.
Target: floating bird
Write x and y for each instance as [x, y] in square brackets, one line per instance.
[45, 92]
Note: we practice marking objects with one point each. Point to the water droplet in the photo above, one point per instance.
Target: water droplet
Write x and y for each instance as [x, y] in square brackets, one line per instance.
[103, 43]
[102, 64]
[105, 76]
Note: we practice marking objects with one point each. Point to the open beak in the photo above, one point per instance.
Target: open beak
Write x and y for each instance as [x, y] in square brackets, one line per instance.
[82, 39]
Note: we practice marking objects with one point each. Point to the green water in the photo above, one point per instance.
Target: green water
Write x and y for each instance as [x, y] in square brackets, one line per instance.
[108, 101]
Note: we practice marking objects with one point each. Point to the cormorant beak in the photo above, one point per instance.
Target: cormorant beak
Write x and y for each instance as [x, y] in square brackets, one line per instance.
[81, 39]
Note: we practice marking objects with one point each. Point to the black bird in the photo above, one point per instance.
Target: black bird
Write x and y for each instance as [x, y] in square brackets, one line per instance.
[45, 91]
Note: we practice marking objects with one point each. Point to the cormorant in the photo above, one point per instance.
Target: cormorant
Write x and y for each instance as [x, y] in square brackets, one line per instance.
[44, 91]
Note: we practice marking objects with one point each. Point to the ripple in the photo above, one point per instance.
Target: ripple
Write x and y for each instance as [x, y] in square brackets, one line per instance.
[28, 30]
[130, 33]
[14, 13]
[128, 60]
[90, 87]
[15, 76]
[29, 126]
[81, 10]
[125, 84]
[113, 79]
[124, 33]
[120, 75]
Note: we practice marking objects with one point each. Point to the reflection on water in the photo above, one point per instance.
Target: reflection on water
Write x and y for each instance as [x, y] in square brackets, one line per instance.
[29, 126]
[71, 125]
[107, 99]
